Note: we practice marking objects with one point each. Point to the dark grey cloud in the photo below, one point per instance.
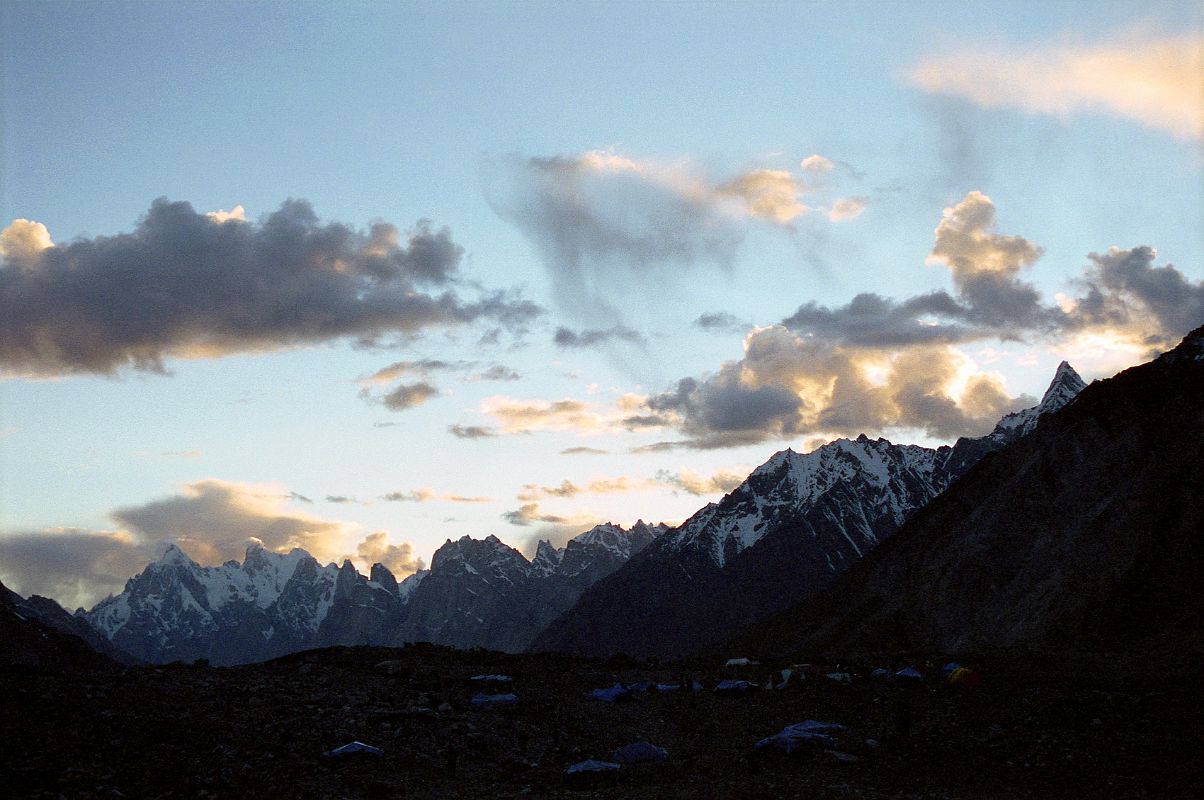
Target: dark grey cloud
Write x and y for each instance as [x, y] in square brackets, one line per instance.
[76, 567]
[338, 498]
[471, 431]
[185, 284]
[583, 451]
[408, 395]
[1122, 289]
[568, 338]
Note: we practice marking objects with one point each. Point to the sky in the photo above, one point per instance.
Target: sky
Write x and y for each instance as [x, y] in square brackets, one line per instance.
[361, 278]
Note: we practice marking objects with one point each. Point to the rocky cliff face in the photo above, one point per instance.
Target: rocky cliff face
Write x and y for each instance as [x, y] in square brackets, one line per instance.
[1086, 533]
[787, 532]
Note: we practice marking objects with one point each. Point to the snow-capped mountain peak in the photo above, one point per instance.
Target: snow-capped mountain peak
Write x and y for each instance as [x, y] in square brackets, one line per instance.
[1064, 387]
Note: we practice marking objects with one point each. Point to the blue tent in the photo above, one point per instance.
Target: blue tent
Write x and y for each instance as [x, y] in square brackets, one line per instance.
[494, 700]
[640, 752]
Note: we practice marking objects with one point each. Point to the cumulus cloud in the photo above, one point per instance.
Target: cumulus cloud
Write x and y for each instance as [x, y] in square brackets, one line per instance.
[184, 284]
[1155, 81]
[211, 520]
[400, 369]
[879, 363]
[376, 548]
[567, 338]
[788, 385]
[23, 241]
[1121, 295]
[1126, 297]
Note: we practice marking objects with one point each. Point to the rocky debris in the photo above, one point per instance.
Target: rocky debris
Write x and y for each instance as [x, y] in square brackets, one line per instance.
[1060, 728]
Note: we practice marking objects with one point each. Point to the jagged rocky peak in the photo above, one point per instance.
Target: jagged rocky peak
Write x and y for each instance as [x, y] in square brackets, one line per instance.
[173, 556]
[407, 585]
[381, 574]
[547, 558]
[1064, 387]
[1066, 384]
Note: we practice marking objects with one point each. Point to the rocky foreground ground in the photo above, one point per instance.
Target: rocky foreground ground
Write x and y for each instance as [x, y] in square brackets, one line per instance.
[1039, 731]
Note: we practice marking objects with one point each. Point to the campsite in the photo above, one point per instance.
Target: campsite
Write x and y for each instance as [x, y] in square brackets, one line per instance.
[1025, 729]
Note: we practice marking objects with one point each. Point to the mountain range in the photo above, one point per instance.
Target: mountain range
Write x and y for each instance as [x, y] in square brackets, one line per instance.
[477, 593]
[784, 534]
[1046, 529]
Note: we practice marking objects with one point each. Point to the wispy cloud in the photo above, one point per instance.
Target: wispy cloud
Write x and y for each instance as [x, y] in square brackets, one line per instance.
[610, 227]
[1155, 81]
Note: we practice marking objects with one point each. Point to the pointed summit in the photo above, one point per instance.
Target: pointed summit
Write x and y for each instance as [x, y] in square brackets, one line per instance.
[174, 556]
[1066, 384]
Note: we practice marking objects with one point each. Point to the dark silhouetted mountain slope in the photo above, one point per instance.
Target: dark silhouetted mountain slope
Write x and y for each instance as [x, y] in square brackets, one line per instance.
[1086, 534]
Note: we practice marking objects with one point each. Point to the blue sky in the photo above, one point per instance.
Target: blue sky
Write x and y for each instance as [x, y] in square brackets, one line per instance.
[624, 168]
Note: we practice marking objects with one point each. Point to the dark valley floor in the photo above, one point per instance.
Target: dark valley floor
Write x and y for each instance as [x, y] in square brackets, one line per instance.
[1066, 728]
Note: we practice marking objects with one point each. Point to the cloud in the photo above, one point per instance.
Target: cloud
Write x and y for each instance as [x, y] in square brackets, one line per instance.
[408, 395]
[77, 567]
[697, 484]
[212, 520]
[1120, 295]
[24, 241]
[771, 194]
[879, 363]
[618, 485]
[789, 385]
[846, 208]
[592, 338]
[471, 431]
[497, 372]
[720, 322]
[399, 369]
[514, 416]
[1156, 82]
[816, 165]
[187, 285]
[397, 558]
[583, 451]
[340, 499]
[416, 496]
[610, 227]
[530, 513]
[1126, 297]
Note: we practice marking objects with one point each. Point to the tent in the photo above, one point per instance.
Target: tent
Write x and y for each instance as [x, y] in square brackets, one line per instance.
[494, 700]
[964, 677]
[610, 694]
[735, 687]
[591, 766]
[639, 753]
[807, 732]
